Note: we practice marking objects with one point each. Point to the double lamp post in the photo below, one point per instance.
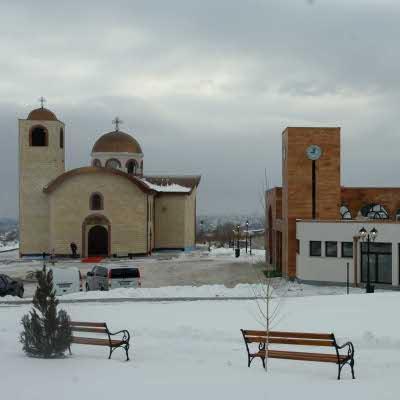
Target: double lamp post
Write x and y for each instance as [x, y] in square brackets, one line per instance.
[248, 239]
[368, 237]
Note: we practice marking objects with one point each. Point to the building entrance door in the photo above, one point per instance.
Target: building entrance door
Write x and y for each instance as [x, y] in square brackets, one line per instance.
[380, 262]
[98, 241]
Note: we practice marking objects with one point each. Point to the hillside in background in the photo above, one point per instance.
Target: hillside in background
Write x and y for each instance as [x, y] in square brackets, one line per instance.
[9, 231]
[211, 223]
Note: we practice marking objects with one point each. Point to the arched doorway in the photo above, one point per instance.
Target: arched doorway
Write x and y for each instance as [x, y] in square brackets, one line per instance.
[98, 241]
[96, 236]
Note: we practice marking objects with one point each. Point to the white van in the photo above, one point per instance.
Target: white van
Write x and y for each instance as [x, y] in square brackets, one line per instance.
[67, 280]
[112, 277]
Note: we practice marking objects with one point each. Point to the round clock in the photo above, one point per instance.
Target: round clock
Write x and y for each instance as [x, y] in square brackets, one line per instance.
[314, 152]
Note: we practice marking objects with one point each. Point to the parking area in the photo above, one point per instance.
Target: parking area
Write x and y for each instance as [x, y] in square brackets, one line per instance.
[196, 268]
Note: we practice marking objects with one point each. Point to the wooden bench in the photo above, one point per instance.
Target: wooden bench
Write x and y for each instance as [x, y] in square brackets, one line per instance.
[298, 338]
[100, 328]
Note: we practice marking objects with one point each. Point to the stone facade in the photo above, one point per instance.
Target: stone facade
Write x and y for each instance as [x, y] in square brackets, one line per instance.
[70, 206]
[37, 167]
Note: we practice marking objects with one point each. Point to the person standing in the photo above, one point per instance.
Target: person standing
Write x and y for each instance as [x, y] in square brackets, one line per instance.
[74, 249]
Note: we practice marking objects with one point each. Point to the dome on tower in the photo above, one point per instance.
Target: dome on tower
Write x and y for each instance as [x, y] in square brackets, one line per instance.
[116, 142]
[42, 114]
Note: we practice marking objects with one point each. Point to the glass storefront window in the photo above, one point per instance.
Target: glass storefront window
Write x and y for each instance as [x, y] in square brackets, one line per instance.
[380, 262]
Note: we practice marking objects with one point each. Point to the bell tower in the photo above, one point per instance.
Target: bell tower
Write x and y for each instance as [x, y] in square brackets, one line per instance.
[41, 159]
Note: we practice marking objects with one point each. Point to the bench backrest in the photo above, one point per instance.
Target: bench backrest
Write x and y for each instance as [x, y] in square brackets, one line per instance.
[95, 327]
[295, 338]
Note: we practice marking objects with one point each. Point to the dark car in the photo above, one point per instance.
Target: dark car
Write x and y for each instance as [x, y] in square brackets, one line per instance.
[11, 287]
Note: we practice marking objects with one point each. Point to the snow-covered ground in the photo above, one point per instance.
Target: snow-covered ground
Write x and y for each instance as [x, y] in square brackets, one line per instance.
[8, 246]
[287, 289]
[194, 350]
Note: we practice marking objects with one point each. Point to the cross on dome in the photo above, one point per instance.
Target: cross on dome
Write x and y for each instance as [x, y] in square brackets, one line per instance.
[42, 101]
[116, 122]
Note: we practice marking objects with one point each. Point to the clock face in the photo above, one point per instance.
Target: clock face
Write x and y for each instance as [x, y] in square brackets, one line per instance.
[314, 152]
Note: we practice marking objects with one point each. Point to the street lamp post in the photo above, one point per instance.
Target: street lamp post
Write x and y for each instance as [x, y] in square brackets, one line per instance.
[201, 230]
[247, 233]
[250, 242]
[367, 237]
[237, 251]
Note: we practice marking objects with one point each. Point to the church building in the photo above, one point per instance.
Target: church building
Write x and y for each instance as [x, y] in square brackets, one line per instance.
[108, 208]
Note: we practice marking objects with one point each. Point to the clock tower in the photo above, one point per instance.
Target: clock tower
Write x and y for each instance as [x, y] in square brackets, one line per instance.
[310, 183]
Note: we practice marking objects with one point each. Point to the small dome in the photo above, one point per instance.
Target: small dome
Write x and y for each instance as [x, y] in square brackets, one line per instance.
[42, 114]
[116, 142]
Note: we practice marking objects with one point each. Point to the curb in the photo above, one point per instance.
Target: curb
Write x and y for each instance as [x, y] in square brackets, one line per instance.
[134, 300]
[9, 250]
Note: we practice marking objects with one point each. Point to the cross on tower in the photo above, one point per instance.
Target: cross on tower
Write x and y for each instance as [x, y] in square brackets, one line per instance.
[42, 101]
[116, 122]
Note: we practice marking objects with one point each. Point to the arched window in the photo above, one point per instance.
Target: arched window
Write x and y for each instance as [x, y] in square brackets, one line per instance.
[96, 202]
[113, 163]
[96, 163]
[374, 211]
[131, 167]
[61, 138]
[38, 136]
[345, 212]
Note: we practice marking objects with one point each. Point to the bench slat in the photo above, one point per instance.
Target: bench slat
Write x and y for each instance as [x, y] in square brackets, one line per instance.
[299, 335]
[83, 329]
[96, 342]
[294, 355]
[94, 324]
[301, 342]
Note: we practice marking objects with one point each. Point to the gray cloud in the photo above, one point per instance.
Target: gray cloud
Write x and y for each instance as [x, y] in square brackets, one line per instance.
[206, 87]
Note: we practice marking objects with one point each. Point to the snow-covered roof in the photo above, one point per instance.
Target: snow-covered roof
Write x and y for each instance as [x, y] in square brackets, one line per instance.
[167, 188]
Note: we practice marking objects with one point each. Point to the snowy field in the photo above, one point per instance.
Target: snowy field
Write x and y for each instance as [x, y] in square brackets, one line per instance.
[195, 350]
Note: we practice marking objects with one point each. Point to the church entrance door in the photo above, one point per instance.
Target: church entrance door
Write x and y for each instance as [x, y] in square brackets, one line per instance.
[98, 241]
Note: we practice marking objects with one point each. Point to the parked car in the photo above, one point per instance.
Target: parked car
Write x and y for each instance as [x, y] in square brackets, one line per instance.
[112, 277]
[67, 280]
[10, 286]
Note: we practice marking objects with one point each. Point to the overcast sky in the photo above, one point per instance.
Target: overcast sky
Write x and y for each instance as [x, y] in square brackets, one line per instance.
[206, 86]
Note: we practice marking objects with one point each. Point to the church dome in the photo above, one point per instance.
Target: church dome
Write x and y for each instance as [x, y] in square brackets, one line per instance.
[116, 142]
[42, 114]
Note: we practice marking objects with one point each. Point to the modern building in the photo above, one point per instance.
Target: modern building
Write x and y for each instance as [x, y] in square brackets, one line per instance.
[107, 208]
[313, 223]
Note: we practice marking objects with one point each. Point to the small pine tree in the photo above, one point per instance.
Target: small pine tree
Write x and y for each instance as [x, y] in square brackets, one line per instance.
[47, 333]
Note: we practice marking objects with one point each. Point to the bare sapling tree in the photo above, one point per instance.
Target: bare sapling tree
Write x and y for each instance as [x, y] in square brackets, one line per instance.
[269, 295]
[270, 290]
